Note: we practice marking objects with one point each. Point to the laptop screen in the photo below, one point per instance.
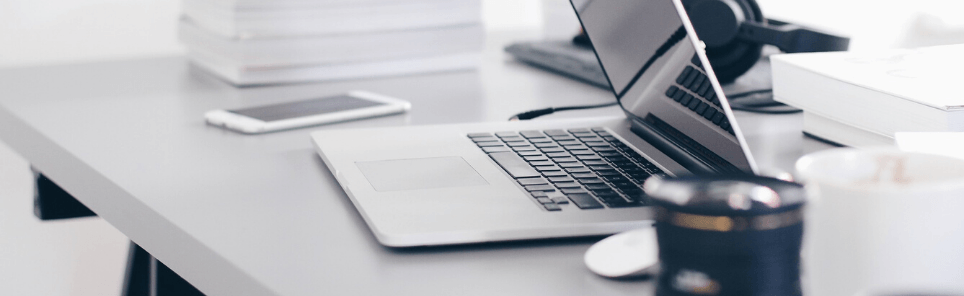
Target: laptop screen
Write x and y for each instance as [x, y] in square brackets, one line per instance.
[649, 56]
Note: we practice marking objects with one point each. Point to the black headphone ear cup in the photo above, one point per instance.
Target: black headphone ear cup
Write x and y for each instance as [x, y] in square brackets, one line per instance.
[737, 57]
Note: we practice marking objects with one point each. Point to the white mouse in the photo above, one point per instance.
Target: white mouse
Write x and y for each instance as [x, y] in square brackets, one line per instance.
[626, 254]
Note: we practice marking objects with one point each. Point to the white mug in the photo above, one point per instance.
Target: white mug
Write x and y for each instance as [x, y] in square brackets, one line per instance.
[882, 221]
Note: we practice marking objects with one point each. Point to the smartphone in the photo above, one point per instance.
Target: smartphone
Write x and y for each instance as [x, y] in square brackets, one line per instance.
[349, 106]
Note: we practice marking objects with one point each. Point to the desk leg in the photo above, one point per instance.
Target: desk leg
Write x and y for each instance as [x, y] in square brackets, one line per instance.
[146, 276]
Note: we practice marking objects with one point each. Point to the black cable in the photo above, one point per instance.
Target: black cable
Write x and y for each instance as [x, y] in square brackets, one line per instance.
[766, 111]
[759, 107]
[541, 112]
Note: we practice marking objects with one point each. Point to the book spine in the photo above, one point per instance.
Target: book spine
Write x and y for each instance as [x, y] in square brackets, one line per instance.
[852, 104]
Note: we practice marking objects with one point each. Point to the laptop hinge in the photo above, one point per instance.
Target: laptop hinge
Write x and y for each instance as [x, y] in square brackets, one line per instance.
[695, 163]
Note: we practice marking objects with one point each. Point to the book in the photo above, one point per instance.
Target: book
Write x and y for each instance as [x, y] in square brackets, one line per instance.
[245, 76]
[326, 49]
[839, 133]
[333, 18]
[902, 90]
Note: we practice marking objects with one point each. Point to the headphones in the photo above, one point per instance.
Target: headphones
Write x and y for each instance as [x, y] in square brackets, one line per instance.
[735, 32]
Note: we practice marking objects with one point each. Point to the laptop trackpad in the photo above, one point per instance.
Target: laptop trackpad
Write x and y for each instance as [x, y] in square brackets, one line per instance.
[420, 173]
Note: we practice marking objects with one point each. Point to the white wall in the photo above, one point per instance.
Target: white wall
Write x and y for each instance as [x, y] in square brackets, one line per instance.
[54, 31]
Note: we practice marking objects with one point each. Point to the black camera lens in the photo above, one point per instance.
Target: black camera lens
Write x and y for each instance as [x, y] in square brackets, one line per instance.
[728, 235]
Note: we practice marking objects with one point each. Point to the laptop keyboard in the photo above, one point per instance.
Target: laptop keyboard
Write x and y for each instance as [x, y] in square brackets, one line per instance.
[695, 92]
[587, 167]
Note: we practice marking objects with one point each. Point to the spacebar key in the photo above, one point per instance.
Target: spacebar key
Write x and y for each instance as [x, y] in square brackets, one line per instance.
[515, 165]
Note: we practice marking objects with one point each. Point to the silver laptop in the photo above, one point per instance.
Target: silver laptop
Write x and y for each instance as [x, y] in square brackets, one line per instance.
[484, 182]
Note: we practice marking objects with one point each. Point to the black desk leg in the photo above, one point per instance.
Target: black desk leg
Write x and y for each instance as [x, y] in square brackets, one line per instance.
[146, 276]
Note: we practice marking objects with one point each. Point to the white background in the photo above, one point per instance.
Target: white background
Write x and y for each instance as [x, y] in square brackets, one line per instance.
[86, 257]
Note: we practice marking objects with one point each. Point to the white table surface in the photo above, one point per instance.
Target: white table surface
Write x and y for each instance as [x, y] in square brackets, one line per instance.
[261, 215]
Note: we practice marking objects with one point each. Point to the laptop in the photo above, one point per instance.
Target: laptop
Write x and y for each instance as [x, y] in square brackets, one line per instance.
[500, 181]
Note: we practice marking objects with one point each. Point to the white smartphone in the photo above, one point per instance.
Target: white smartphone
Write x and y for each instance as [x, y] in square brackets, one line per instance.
[261, 119]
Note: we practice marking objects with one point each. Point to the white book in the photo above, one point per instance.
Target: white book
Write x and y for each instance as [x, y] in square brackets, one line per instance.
[244, 76]
[342, 48]
[842, 134]
[884, 93]
[332, 19]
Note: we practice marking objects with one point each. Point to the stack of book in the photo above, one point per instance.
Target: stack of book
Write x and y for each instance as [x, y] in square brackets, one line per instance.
[864, 99]
[280, 41]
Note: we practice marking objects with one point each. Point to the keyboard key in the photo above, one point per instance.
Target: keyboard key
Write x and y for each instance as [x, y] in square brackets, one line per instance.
[552, 149]
[718, 118]
[583, 175]
[588, 157]
[607, 173]
[584, 201]
[682, 76]
[554, 173]
[552, 207]
[540, 140]
[702, 107]
[603, 148]
[558, 154]
[513, 139]
[561, 179]
[597, 144]
[506, 134]
[565, 159]
[689, 79]
[687, 98]
[581, 152]
[598, 187]
[579, 130]
[591, 139]
[556, 133]
[518, 144]
[544, 200]
[496, 149]
[547, 168]
[541, 163]
[671, 91]
[576, 147]
[696, 83]
[704, 89]
[489, 144]
[478, 135]
[591, 181]
[538, 194]
[560, 200]
[532, 181]
[709, 113]
[578, 170]
[584, 135]
[595, 162]
[563, 138]
[524, 148]
[573, 190]
[679, 96]
[537, 157]
[532, 134]
[485, 139]
[513, 164]
[530, 153]
[546, 145]
[693, 104]
[598, 129]
[570, 165]
[563, 185]
[569, 142]
[546, 188]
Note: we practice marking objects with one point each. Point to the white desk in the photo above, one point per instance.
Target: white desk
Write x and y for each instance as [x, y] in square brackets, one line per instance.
[261, 215]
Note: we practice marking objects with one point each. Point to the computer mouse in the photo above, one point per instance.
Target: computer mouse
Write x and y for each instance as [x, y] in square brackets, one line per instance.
[627, 254]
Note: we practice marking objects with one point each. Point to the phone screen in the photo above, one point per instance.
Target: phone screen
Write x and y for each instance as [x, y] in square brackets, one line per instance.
[306, 108]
